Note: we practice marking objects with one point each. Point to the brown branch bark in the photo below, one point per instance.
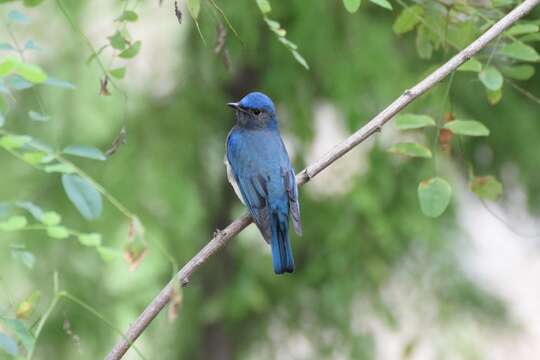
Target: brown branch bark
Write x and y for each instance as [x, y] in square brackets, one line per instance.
[373, 126]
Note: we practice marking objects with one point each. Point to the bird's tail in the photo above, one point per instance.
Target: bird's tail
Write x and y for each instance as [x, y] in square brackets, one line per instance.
[282, 256]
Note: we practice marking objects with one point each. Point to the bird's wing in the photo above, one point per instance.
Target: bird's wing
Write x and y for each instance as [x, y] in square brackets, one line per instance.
[253, 188]
[294, 204]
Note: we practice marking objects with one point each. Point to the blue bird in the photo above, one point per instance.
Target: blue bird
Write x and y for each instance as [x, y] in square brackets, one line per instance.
[259, 169]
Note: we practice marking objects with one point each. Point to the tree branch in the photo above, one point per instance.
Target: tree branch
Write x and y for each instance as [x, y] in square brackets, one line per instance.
[374, 125]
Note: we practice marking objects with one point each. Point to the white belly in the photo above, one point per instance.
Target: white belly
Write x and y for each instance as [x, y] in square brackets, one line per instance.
[232, 180]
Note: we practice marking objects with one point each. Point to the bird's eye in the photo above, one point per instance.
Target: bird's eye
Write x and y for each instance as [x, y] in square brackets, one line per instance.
[256, 111]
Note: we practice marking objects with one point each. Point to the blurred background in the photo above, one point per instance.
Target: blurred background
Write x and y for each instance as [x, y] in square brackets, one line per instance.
[375, 278]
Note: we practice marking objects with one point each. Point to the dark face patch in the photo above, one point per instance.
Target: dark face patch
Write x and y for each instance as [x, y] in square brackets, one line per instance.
[252, 118]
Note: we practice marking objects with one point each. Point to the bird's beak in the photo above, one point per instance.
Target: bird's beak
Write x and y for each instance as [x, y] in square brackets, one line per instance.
[235, 106]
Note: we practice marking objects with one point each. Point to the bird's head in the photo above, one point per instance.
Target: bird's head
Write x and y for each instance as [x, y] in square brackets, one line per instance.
[255, 110]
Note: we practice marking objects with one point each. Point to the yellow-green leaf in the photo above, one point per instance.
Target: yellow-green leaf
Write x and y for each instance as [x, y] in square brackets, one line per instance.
[108, 254]
[521, 29]
[413, 121]
[352, 5]
[91, 240]
[128, 15]
[471, 65]
[494, 96]
[382, 3]
[194, 7]
[57, 232]
[59, 167]
[411, 149]
[408, 19]
[14, 223]
[264, 6]
[10, 142]
[117, 41]
[51, 218]
[118, 73]
[131, 51]
[518, 72]
[31, 72]
[467, 127]
[486, 187]
[519, 51]
[26, 307]
[434, 195]
[7, 65]
[491, 78]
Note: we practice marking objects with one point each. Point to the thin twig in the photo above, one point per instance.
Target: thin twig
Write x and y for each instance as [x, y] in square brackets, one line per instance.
[373, 126]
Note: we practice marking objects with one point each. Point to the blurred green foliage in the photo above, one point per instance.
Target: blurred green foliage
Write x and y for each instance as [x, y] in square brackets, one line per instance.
[160, 195]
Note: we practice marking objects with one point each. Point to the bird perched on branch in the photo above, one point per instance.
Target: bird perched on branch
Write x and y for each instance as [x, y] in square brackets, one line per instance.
[259, 169]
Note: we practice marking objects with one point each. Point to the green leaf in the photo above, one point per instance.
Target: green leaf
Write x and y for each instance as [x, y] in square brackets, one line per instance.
[467, 127]
[434, 195]
[51, 218]
[408, 19]
[423, 43]
[413, 121]
[118, 73]
[17, 16]
[59, 83]
[471, 65]
[2, 120]
[30, 72]
[91, 240]
[32, 208]
[128, 15]
[108, 254]
[14, 223]
[382, 3]
[25, 308]
[58, 232]
[521, 29]
[88, 152]
[34, 157]
[117, 41]
[530, 38]
[131, 51]
[32, 3]
[494, 96]
[486, 187]
[300, 59]
[491, 78]
[8, 345]
[264, 6]
[194, 7]
[518, 72]
[411, 149]
[38, 117]
[8, 65]
[352, 5]
[275, 27]
[289, 44]
[19, 329]
[83, 195]
[519, 51]
[10, 142]
[60, 168]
